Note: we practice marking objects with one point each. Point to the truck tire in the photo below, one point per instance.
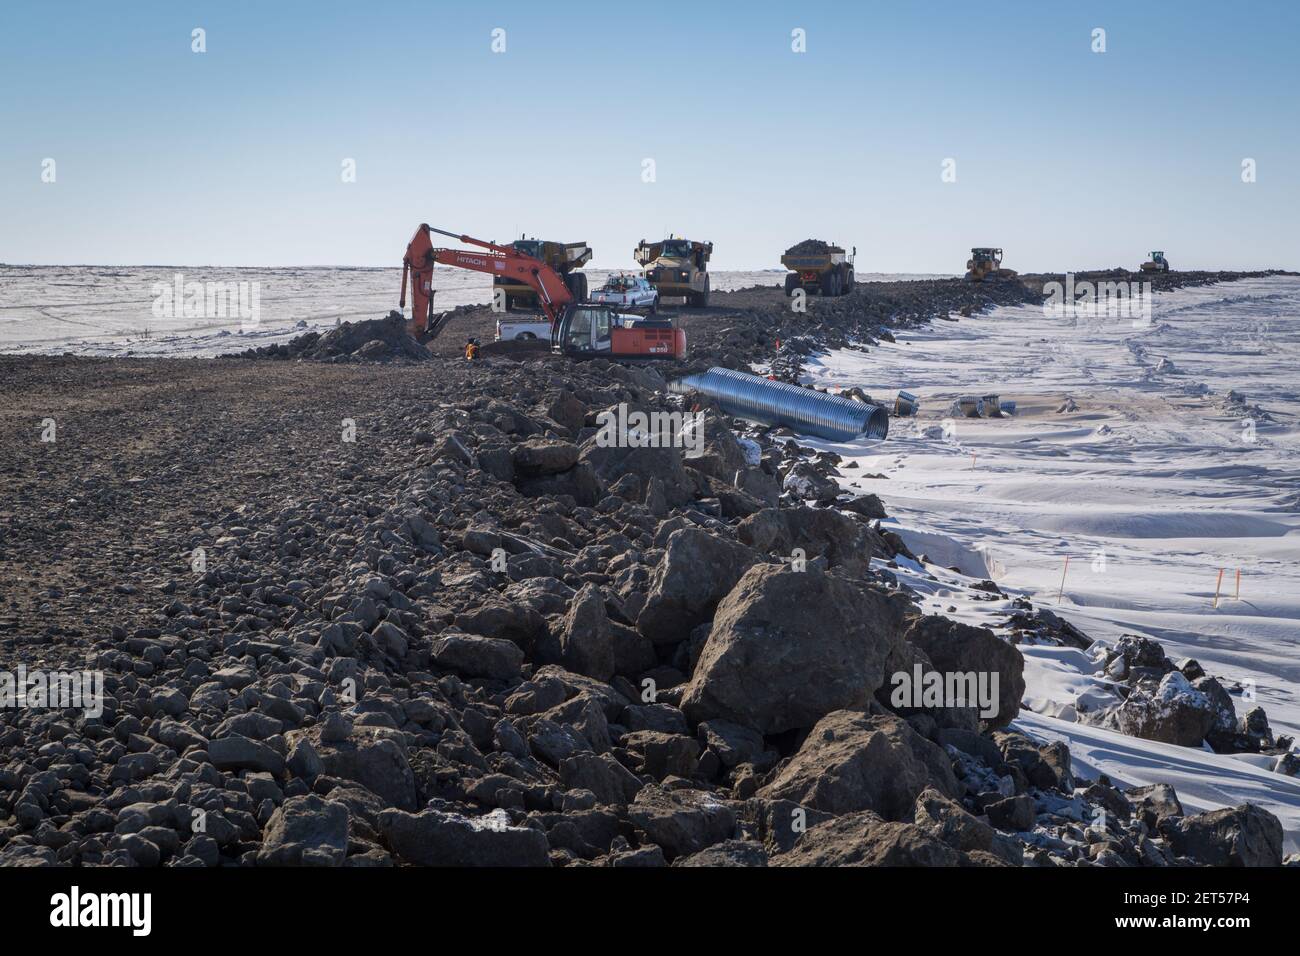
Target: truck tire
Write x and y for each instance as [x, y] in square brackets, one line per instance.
[577, 283]
[791, 283]
[703, 299]
[848, 282]
[828, 284]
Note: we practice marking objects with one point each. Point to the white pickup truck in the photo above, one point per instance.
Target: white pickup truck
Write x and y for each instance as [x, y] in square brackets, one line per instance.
[535, 329]
[523, 331]
[630, 292]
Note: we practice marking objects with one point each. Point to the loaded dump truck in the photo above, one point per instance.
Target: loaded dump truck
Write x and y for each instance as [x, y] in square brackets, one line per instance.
[1157, 263]
[817, 266]
[564, 257]
[677, 267]
[986, 263]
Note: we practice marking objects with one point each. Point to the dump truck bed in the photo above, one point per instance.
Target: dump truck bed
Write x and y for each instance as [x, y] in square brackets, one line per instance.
[812, 262]
[813, 255]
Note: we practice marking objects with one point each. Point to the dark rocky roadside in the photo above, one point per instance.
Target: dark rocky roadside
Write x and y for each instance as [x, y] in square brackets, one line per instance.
[471, 635]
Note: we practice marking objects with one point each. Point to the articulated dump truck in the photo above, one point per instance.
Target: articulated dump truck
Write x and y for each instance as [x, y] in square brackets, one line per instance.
[564, 257]
[677, 267]
[817, 266]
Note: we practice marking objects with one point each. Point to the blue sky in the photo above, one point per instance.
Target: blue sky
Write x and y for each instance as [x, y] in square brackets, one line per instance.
[1066, 158]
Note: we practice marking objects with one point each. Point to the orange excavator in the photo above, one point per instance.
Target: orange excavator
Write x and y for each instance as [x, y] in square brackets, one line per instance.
[578, 329]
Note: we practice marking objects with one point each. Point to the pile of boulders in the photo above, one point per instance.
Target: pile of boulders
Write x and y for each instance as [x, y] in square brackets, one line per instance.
[1031, 625]
[1157, 699]
[531, 647]
[511, 641]
[870, 313]
[809, 247]
[372, 340]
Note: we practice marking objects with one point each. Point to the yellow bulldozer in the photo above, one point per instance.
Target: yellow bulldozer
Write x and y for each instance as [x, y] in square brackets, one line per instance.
[986, 263]
[1157, 263]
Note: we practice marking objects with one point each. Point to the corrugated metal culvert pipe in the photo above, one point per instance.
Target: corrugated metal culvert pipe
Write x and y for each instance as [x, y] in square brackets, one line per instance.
[777, 403]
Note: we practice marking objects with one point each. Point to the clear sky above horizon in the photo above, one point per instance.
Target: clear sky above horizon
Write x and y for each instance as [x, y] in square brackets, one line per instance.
[1064, 157]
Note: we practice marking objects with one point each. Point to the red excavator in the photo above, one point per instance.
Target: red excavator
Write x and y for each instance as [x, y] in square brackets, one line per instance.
[578, 329]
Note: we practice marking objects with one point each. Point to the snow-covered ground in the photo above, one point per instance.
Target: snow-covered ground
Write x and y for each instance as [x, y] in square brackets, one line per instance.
[1150, 487]
[109, 310]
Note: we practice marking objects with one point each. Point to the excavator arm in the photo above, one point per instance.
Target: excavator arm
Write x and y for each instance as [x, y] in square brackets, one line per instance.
[422, 255]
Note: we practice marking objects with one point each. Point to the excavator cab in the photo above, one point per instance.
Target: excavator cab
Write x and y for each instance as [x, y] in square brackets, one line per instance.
[586, 330]
[583, 330]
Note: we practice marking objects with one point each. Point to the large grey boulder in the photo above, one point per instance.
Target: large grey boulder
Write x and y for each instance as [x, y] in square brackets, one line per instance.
[955, 648]
[814, 531]
[950, 822]
[579, 482]
[472, 655]
[434, 838]
[721, 456]
[908, 670]
[681, 821]
[586, 641]
[697, 571]
[1176, 713]
[864, 839]
[1247, 835]
[511, 621]
[727, 853]
[306, 831]
[1154, 804]
[601, 774]
[855, 761]
[543, 456]
[788, 647]
[610, 462]
[240, 753]
[367, 756]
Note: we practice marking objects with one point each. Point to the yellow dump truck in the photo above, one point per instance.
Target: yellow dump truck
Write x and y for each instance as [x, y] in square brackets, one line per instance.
[817, 266]
[564, 257]
[677, 268]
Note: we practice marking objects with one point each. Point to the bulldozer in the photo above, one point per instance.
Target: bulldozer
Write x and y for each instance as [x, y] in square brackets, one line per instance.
[986, 263]
[564, 257]
[677, 267]
[1157, 263]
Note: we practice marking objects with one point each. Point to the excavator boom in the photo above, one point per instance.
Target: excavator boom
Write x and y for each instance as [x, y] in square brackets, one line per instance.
[421, 256]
